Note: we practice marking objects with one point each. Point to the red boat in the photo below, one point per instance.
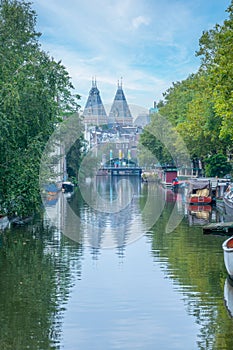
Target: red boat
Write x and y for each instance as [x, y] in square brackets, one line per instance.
[199, 208]
[199, 192]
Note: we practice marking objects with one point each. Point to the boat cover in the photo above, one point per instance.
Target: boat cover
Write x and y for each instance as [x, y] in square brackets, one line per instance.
[198, 185]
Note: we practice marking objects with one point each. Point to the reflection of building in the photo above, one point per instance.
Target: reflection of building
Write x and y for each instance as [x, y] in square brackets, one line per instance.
[110, 220]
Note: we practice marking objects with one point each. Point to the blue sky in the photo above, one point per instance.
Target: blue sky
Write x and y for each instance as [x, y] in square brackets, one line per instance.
[150, 43]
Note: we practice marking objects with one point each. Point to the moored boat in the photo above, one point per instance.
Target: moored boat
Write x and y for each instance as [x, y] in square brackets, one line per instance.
[228, 255]
[228, 199]
[221, 186]
[199, 192]
[228, 296]
[175, 184]
[67, 186]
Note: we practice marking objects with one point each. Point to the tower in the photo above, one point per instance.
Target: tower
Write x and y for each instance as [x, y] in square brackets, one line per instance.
[94, 111]
[120, 113]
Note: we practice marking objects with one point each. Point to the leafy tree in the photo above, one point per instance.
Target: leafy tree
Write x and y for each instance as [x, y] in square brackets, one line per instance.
[216, 50]
[176, 100]
[217, 165]
[201, 126]
[74, 157]
[145, 157]
[200, 108]
[154, 144]
[35, 93]
[163, 141]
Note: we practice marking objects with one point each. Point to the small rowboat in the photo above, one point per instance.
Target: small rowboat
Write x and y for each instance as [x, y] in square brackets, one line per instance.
[228, 255]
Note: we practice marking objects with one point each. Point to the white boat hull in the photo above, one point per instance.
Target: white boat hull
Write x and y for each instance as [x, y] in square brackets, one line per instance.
[228, 200]
[228, 255]
[228, 296]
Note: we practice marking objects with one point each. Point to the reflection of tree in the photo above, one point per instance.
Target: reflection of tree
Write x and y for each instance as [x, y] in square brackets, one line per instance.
[195, 263]
[35, 283]
[151, 203]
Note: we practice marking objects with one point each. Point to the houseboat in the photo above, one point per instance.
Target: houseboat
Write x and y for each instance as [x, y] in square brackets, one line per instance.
[199, 192]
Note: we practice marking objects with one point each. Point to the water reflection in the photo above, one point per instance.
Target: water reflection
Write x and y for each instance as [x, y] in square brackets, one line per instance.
[35, 284]
[194, 262]
[166, 291]
[199, 214]
[114, 212]
[228, 295]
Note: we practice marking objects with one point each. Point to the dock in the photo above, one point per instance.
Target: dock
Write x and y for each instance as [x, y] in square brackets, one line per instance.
[225, 228]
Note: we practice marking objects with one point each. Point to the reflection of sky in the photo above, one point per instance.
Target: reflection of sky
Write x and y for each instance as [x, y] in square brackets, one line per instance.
[129, 306]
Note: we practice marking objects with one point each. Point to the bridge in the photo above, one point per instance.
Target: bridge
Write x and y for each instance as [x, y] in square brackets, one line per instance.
[120, 167]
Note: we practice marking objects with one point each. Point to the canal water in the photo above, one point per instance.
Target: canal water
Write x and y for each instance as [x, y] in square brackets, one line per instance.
[118, 265]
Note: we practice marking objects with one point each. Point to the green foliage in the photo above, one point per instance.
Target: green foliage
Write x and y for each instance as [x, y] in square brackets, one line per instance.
[217, 165]
[35, 93]
[74, 157]
[161, 139]
[201, 107]
[216, 49]
[154, 139]
[177, 99]
[155, 147]
[146, 158]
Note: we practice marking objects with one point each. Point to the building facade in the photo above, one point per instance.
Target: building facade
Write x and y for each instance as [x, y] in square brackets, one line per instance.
[94, 112]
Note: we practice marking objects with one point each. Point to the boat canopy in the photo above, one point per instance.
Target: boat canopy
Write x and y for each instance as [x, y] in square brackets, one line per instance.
[198, 185]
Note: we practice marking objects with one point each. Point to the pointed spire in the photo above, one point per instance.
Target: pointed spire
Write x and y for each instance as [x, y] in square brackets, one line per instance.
[94, 112]
[120, 112]
[94, 83]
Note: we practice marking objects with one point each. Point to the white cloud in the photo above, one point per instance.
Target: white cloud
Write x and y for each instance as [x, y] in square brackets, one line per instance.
[138, 21]
[149, 43]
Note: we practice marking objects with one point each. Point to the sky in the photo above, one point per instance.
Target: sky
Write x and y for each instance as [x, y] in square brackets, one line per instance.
[149, 43]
